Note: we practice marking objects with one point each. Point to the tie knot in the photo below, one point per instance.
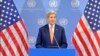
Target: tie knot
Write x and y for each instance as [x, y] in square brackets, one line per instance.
[51, 28]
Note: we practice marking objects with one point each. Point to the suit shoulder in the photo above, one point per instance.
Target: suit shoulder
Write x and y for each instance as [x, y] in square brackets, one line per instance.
[43, 27]
[58, 26]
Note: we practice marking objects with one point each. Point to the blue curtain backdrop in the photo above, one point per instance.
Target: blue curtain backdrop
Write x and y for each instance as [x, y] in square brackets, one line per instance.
[33, 12]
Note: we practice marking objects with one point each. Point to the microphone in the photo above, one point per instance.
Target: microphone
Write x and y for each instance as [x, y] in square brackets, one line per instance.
[56, 42]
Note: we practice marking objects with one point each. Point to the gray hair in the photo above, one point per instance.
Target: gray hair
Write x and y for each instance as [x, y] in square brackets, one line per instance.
[51, 12]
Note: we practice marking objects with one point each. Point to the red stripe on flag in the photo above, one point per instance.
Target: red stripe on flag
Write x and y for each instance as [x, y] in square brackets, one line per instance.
[82, 41]
[7, 44]
[15, 42]
[97, 37]
[21, 21]
[2, 51]
[77, 47]
[21, 37]
[88, 37]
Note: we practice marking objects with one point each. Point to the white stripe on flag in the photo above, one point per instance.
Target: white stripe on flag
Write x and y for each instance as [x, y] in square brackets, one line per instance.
[80, 45]
[98, 33]
[5, 48]
[90, 32]
[84, 37]
[22, 31]
[1, 53]
[10, 42]
[18, 40]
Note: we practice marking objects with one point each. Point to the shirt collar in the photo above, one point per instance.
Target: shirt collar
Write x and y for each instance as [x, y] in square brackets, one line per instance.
[53, 26]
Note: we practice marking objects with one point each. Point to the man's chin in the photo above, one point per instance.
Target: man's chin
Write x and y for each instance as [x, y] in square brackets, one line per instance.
[52, 24]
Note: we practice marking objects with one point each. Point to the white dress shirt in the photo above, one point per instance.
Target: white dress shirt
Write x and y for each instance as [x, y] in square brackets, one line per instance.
[53, 27]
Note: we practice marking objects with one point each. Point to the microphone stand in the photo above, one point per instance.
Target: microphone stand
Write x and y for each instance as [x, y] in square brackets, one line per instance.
[56, 41]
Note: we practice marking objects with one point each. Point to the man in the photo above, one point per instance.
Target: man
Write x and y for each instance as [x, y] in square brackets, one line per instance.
[51, 35]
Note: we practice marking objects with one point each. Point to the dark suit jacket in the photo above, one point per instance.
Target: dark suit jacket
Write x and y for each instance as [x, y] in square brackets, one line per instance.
[43, 39]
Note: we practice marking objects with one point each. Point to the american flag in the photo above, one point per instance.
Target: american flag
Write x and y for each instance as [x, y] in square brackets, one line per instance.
[86, 37]
[13, 34]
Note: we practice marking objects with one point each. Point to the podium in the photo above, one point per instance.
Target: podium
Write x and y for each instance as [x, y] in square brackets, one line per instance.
[52, 52]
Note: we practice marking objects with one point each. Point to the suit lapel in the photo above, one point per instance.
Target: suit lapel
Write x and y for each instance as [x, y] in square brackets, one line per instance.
[55, 31]
[48, 33]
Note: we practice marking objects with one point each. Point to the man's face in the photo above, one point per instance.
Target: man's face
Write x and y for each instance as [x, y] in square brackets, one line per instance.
[52, 19]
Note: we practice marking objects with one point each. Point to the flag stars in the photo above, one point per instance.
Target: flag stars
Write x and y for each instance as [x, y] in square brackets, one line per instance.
[92, 14]
[98, 25]
[9, 22]
[12, 9]
[88, 17]
[5, 2]
[87, 7]
[7, 8]
[5, 21]
[9, 18]
[92, 18]
[98, 7]
[1, 19]
[4, 6]
[2, 15]
[88, 3]
[99, 21]
[95, 19]
[13, 19]
[3, 11]
[94, 24]
[94, 5]
[10, 14]
[14, 15]
[12, 5]
[18, 17]
[90, 22]
[90, 8]
[96, 15]
[6, 16]
[15, 11]
[99, 3]
[89, 12]
[0, 0]
[8, 3]
[91, 4]
[95, 1]
[7, 12]
[85, 11]
[97, 11]
[4, 25]
[93, 9]
[93, 28]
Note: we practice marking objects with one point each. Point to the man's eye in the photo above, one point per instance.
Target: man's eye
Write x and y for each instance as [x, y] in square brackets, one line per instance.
[51, 17]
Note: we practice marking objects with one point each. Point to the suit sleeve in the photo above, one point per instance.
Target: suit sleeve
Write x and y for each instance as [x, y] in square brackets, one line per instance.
[39, 39]
[63, 41]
